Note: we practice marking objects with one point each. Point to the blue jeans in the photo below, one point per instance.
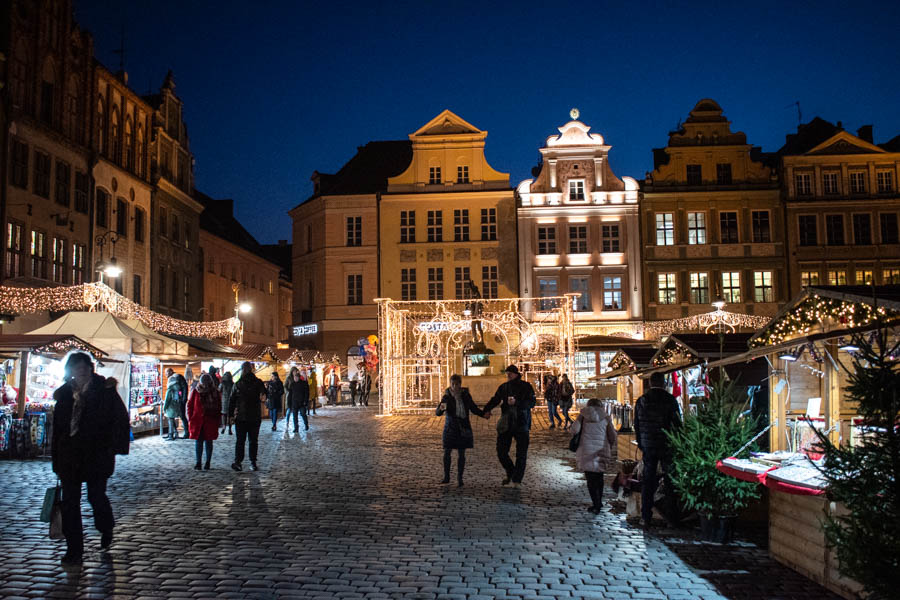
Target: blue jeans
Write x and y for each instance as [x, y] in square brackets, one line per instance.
[551, 410]
[274, 414]
[653, 463]
[198, 449]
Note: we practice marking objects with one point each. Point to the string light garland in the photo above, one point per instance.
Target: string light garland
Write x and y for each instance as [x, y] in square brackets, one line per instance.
[814, 311]
[99, 296]
[703, 322]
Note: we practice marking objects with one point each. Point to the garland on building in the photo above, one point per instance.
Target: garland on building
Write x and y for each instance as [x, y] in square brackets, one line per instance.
[703, 322]
[99, 296]
[815, 310]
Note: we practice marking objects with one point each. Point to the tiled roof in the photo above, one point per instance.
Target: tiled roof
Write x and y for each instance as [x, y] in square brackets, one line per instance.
[218, 219]
[808, 136]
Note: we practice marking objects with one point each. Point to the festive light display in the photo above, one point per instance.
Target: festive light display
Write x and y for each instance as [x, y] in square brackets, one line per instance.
[672, 353]
[705, 322]
[815, 311]
[99, 296]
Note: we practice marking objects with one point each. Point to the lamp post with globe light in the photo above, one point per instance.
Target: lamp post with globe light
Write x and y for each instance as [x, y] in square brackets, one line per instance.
[237, 337]
[109, 268]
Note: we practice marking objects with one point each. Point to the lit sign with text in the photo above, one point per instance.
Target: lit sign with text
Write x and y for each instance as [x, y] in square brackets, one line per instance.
[301, 330]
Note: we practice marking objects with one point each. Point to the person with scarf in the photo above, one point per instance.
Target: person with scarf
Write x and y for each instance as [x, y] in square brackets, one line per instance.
[456, 404]
[171, 406]
[598, 437]
[226, 386]
[566, 399]
[274, 394]
[90, 426]
[298, 397]
[551, 396]
[204, 407]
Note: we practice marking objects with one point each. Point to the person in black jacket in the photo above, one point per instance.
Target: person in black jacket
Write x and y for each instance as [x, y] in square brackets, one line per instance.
[298, 397]
[456, 404]
[90, 426]
[274, 394]
[516, 399]
[655, 413]
[246, 410]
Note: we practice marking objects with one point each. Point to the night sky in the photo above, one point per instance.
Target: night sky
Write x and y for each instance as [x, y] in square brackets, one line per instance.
[278, 90]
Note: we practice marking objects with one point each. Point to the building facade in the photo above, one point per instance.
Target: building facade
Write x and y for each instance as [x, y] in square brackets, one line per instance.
[176, 276]
[842, 206]
[46, 191]
[122, 188]
[449, 217]
[578, 233]
[712, 223]
[334, 262]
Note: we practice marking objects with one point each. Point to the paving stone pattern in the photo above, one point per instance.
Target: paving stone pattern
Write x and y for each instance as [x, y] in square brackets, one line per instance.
[352, 509]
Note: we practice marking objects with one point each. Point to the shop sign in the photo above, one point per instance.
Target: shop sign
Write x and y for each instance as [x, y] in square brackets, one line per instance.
[433, 326]
[308, 329]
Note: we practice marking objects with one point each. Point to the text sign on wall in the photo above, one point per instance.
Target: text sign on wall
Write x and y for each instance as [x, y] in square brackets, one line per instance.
[301, 330]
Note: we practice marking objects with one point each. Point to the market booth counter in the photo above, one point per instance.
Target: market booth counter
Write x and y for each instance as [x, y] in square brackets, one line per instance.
[807, 347]
[32, 370]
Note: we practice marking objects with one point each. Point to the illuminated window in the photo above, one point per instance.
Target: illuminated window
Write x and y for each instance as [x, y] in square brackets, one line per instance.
[891, 275]
[434, 174]
[731, 287]
[547, 286]
[665, 229]
[354, 289]
[889, 233]
[582, 285]
[612, 292]
[694, 174]
[862, 230]
[808, 229]
[857, 182]
[38, 255]
[699, 288]
[78, 272]
[546, 240]
[728, 227]
[354, 231]
[834, 230]
[808, 278]
[761, 228]
[576, 190]
[837, 277]
[461, 278]
[489, 281]
[667, 292]
[885, 181]
[435, 226]
[696, 228]
[802, 185]
[610, 240]
[407, 284]
[488, 224]
[462, 174]
[461, 225]
[41, 185]
[407, 226]
[830, 184]
[435, 283]
[762, 286]
[723, 173]
[578, 243]
[865, 277]
[15, 250]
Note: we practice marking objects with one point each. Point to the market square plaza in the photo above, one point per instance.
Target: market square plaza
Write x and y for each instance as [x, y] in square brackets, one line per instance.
[352, 509]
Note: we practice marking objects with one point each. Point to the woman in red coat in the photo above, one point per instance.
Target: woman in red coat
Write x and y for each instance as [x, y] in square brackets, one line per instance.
[204, 407]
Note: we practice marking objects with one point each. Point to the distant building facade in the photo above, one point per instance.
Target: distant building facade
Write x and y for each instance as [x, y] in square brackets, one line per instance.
[712, 223]
[842, 206]
[578, 233]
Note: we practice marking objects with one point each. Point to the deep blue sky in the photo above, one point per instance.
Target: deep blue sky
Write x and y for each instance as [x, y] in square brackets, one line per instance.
[275, 90]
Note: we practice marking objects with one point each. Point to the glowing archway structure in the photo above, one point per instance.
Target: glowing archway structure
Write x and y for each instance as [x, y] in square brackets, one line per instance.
[423, 342]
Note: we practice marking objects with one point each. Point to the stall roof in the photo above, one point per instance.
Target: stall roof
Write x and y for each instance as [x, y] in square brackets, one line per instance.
[606, 342]
[47, 344]
[104, 331]
[699, 347]
[253, 351]
[170, 344]
[207, 347]
[638, 356]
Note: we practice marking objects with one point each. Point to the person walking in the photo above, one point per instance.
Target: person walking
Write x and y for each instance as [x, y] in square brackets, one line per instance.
[598, 435]
[456, 404]
[246, 399]
[313, 390]
[516, 399]
[274, 394]
[90, 426]
[551, 397]
[226, 387]
[366, 386]
[354, 386]
[566, 398]
[298, 398]
[205, 408]
[185, 382]
[288, 409]
[171, 404]
[655, 413]
[334, 381]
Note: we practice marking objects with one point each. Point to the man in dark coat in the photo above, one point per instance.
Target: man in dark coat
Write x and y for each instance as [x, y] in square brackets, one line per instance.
[246, 410]
[655, 413]
[182, 402]
[298, 398]
[516, 399]
[90, 426]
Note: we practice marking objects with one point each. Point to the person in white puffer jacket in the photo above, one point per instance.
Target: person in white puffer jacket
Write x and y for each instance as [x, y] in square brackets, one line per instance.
[598, 435]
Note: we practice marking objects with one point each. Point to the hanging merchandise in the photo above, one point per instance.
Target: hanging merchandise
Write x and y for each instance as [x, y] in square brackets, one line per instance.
[145, 393]
[676, 385]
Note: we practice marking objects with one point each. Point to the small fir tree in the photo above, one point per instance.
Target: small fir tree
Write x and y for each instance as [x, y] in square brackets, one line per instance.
[866, 479]
[719, 429]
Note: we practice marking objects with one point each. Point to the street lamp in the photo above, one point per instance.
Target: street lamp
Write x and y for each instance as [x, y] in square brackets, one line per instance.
[237, 338]
[109, 268]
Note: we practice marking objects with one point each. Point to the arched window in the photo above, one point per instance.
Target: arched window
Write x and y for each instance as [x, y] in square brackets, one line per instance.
[101, 126]
[114, 135]
[18, 76]
[73, 123]
[129, 144]
[139, 152]
[48, 92]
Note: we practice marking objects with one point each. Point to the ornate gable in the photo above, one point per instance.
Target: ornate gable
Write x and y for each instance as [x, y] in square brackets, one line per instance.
[447, 123]
[845, 143]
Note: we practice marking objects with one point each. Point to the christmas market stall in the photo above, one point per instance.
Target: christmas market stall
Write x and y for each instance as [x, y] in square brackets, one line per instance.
[808, 348]
[33, 367]
[593, 356]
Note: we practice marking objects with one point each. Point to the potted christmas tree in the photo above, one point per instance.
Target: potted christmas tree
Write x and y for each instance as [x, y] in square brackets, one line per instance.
[718, 429]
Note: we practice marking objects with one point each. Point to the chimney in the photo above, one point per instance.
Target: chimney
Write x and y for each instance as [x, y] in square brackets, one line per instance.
[840, 125]
[865, 133]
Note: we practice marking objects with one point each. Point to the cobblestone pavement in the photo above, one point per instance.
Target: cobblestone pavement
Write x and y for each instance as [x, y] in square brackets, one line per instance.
[351, 509]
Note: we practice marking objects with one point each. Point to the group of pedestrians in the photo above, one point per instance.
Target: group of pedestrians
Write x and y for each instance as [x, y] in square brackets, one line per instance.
[560, 396]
